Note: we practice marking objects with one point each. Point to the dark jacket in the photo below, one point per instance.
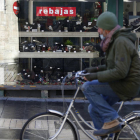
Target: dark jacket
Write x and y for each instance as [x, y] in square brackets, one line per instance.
[122, 69]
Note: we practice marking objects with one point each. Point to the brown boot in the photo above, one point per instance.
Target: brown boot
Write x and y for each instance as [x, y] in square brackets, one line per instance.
[108, 128]
[111, 124]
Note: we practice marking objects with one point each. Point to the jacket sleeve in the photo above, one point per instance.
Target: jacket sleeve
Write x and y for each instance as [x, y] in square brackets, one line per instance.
[102, 67]
[122, 63]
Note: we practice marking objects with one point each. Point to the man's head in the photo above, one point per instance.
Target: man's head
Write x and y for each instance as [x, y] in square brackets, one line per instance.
[106, 22]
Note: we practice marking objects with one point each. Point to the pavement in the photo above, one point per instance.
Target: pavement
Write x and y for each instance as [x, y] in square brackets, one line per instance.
[15, 111]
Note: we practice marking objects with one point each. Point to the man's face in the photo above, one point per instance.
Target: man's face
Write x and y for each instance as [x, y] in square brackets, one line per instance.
[102, 32]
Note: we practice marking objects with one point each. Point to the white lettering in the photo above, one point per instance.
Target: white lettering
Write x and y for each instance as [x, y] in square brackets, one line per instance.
[65, 11]
[50, 11]
[71, 12]
[40, 10]
[61, 12]
[45, 11]
[56, 11]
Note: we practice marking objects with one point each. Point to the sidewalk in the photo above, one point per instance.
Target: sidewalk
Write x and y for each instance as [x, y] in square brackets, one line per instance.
[15, 111]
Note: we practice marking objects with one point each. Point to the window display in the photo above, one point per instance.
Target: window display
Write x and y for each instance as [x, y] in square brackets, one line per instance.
[48, 71]
[60, 16]
[51, 37]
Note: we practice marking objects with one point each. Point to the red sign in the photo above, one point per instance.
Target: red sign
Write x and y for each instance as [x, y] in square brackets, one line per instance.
[16, 7]
[56, 11]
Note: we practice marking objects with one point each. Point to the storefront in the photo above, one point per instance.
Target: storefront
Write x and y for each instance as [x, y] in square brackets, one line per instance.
[44, 40]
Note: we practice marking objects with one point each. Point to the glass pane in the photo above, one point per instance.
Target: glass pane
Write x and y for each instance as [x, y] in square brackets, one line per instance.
[59, 16]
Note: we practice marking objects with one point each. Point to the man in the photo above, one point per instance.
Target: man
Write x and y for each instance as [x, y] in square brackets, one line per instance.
[118, 80]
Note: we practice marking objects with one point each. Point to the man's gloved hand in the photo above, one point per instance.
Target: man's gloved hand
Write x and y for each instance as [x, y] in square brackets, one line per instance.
[91, 76]
[92, 69]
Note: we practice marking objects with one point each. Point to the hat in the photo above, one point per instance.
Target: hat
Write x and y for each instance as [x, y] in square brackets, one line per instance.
[107, 21]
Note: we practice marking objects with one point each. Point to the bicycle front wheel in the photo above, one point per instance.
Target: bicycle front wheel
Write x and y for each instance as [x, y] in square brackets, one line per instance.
[45, 125]
[127, 134]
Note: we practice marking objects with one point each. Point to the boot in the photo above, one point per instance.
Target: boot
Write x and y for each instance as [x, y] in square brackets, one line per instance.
[109, 127]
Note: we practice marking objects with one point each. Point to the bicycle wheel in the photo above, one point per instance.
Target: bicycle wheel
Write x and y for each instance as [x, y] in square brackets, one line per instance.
[45, 125]
[126, 133]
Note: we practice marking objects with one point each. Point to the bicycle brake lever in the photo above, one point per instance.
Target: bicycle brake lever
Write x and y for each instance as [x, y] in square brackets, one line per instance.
[84, 74]
[84, 71]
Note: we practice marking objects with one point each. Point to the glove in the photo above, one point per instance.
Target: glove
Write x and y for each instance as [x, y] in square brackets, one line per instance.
[91, 76]
[92, 69]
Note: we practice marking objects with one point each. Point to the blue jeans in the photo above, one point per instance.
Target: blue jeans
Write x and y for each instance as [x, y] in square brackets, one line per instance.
[101, 98]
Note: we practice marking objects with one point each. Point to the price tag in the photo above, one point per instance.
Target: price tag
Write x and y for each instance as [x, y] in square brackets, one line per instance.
[67, 20]
[54, 51]
[64, 51]
[59, 30]
[88, 51]
[74, 51]
[43, 51]
[38, 51]
[80, 30]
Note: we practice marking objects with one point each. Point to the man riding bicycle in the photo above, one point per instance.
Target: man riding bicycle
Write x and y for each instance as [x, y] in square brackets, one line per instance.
[118, 79]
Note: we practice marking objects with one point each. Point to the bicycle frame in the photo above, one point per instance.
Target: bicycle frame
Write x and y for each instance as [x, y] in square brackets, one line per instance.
[130, 116]
[69, 110]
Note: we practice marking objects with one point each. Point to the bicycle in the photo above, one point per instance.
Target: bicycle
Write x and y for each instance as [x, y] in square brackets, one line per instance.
[54, 125]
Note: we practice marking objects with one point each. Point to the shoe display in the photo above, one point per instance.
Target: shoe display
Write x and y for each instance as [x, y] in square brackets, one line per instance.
[27, 47]
[135, 25]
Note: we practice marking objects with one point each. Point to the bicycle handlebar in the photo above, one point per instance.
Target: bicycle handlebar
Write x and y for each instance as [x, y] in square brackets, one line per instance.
[81, 74]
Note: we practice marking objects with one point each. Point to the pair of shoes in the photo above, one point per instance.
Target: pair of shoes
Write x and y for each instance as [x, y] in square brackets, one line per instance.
[109, 127]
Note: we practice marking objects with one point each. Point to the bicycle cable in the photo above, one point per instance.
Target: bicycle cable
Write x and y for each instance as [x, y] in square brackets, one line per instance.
[62, 89]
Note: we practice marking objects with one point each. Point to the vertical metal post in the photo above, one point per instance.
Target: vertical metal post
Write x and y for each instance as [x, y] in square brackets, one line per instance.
[134, 8]
[138, 44]
[31, 64]
[30, 15]
[81, 44]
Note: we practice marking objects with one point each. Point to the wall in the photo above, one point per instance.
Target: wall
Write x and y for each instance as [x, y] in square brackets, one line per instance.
[9, 36]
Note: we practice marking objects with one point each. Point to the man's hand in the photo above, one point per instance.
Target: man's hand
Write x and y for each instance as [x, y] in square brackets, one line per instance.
[91, 76]
[92, 69]
[85, 78]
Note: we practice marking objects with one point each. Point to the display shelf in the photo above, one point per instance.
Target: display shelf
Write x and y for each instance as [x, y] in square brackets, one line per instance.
[58, 34]
[37, 87]
[58, 55]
